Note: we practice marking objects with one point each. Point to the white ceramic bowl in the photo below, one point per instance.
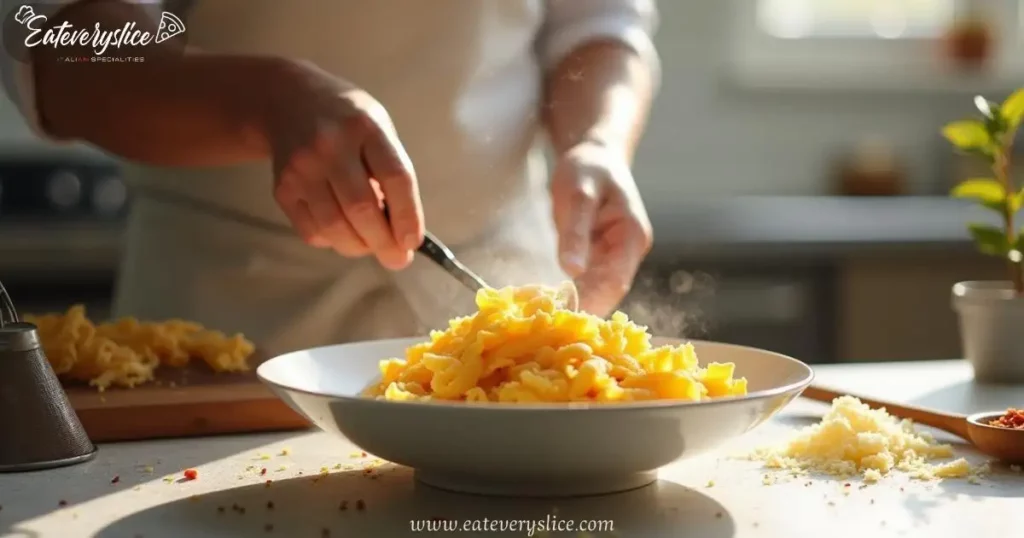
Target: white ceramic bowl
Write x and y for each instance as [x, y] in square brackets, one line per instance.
[528, 450]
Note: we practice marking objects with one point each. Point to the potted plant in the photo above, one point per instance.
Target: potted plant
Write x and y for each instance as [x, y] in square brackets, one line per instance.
[991, 313]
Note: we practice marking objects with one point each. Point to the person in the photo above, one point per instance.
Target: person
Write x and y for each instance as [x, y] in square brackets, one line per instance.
[261, 154]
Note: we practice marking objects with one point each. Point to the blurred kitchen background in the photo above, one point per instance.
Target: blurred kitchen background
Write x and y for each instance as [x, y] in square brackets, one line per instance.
[793, 170]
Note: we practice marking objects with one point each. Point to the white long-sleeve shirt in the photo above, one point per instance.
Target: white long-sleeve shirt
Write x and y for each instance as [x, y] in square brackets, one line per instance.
[462, 81]
[460, 78]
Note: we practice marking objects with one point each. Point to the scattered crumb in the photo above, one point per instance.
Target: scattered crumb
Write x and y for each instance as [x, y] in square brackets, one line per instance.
[270, 505]
[147, 469]
[360, 505]
[337, 466]
[263, 471]
[767, 480]
[363, 454]
[354, 455]
[267, 484]
[282, 468]
[220, 509]
[285, 451]
[168, 479]
[116, 479]
[719, 515]
[62, 502]
[264, 457]
[325, 532]
[194, 498]
[268, 527]
[973, 480]
[324, 470]
[710, 484]
[137, 488]
[831, 503]
[343, 505]
[872, 501]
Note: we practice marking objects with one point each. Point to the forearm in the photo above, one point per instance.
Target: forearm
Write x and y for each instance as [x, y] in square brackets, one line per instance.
[171, 109]
[600, 92]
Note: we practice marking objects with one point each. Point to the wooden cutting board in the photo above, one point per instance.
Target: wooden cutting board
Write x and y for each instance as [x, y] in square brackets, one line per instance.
[183, 402]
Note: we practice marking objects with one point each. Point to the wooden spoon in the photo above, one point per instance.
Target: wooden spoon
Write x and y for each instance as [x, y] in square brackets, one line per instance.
[1002, 443]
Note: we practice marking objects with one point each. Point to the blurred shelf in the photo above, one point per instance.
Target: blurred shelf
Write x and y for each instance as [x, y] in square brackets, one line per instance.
[773, 78]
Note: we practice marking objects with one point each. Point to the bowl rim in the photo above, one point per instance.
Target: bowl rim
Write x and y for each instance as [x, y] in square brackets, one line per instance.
[476, 407]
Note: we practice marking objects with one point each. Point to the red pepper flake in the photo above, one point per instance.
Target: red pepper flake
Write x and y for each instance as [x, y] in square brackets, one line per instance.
[263, 471]
[343, 505]
[270, 505]
[267, 485]
[360, 505]
[191, 474]
[1013, 419]
[268, 527]
[364, 454]
[62, 503]
[846, 485]
[116, 479]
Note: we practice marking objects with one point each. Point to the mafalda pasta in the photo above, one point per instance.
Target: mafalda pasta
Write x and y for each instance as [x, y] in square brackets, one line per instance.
[523, 345]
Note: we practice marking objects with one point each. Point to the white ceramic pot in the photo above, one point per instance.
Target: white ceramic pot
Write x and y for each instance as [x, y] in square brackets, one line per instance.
[991, 330]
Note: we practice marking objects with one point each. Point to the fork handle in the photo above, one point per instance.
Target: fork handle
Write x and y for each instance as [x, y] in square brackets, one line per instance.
[439, 253]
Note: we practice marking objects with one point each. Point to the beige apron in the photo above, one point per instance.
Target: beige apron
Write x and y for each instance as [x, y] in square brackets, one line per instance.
[463, 87]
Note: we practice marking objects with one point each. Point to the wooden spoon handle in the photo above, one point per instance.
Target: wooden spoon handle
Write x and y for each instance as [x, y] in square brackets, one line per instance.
[954, 424]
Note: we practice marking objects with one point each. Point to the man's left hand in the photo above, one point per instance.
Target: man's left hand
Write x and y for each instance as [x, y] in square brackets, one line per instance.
[603, 228]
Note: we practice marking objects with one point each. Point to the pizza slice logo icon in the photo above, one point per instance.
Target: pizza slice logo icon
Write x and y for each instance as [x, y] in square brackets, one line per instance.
[170, 26]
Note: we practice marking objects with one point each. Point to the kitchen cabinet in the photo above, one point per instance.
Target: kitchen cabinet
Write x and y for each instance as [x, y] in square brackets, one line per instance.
[898, 308]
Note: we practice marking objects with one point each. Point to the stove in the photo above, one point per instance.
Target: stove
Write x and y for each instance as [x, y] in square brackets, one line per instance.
[61, 221]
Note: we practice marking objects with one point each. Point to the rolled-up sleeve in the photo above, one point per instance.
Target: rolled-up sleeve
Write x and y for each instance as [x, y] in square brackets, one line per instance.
[571, 23]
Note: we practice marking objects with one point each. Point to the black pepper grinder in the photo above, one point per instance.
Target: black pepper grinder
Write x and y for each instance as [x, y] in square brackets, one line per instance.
[38, 427]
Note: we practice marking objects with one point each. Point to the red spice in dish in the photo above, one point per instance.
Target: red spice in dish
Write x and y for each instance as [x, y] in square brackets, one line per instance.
[1013, 419]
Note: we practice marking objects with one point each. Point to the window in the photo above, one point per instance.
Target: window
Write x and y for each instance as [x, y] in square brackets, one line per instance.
[870, 44]
[886, 19]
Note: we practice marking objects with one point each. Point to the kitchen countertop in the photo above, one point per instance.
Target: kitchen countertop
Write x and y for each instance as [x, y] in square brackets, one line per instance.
[787, 226]
[682, 503]
[762, 227]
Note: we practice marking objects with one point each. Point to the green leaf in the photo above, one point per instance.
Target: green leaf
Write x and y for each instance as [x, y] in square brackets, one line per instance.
[1013, 108]
[967, 134]
[989, 239]
[982, 189]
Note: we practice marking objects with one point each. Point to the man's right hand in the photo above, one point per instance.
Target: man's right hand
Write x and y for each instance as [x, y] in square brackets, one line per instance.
[336, 158]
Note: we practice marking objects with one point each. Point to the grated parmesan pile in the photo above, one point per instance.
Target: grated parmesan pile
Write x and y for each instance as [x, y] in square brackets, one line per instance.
[853, 439]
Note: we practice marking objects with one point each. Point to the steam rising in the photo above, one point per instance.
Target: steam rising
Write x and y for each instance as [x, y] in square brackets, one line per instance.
[671, 307]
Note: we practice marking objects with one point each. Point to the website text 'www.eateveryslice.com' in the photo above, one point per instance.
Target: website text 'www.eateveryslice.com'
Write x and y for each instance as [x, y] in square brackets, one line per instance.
[529, 527]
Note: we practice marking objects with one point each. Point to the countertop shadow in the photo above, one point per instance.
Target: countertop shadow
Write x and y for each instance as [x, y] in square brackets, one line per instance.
[24, 496]
[354, 504]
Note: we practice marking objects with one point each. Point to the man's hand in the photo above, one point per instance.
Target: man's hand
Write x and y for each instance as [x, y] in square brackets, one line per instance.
[604, 232]
[336, 158]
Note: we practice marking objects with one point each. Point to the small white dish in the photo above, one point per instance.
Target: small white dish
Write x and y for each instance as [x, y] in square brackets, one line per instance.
[551, 450]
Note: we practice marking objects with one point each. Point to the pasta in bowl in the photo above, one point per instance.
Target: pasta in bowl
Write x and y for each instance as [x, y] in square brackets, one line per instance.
[522, 345]
[527, 398]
